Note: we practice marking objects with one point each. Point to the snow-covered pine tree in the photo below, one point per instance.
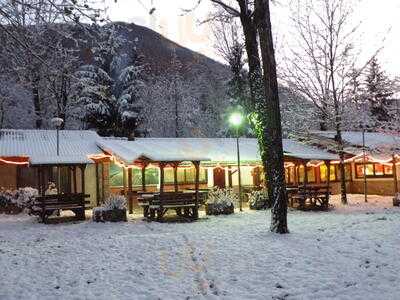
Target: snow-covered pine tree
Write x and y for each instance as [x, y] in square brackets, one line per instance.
[378, 89]
[129, 101]
[109, 89]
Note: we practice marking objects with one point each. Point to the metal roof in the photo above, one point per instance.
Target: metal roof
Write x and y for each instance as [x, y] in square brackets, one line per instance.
[41, 145]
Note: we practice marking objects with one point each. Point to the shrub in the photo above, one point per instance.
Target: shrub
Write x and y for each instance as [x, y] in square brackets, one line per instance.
[115, 202]
[18, 200]
[24, 198]
[259, 199]
[221, 201]
[113, 210]
[6, 199]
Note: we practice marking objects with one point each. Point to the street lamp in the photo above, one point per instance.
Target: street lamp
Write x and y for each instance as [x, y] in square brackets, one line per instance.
[57, 122]
[236, 119]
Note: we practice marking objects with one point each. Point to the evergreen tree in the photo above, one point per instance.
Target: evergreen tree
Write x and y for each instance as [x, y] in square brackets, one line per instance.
[110, 88]
[378, 90]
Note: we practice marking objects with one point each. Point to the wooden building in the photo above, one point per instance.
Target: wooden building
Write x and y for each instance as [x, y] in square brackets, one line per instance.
[98, 166]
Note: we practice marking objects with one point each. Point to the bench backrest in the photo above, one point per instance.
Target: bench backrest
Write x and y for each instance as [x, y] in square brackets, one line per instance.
[172, 198]
[62, 199]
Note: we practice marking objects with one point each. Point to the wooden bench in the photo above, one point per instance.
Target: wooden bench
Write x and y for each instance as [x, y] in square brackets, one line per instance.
[50, 203]
[183, 203]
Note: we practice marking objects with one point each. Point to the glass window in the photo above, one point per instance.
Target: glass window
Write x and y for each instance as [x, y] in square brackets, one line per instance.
[379, 170]
[388, 170]
[151, 176]
[373, 170]
[301, 173]
[323, 172]
[169, 175]
[116, 175]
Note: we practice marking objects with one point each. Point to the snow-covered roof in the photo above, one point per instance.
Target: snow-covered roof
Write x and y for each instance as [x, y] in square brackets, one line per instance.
[203, 149]
[381, 145]
[40, 146]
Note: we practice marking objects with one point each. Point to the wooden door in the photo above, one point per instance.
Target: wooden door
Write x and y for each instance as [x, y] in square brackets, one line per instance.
[219, 177]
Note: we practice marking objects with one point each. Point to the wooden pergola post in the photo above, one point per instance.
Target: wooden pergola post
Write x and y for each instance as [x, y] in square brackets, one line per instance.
[176, 188]
[394, 171]
[144, 177]
[305, 173]
[130, 191]
[197, 177]
[230, 176]
[83, 167]
[124, 181]
[97, 185]
[74, 179]
[162, 166]
[328, 173]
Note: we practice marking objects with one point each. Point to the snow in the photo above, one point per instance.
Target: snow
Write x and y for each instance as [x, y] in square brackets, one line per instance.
[203, 149]
[346, 253]
[380, 144]
[41, 145]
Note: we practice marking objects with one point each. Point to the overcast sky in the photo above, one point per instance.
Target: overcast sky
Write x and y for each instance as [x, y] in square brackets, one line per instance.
[380, 18]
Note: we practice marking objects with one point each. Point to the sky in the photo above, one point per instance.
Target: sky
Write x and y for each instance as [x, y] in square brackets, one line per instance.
[380, 21]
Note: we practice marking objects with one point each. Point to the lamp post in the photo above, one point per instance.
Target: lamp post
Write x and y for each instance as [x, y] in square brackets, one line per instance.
[57, 122]
[236, 120]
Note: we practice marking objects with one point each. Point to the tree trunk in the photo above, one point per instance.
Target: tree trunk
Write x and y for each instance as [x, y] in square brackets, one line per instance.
[255, 76]
[36, 101]
[270, 118]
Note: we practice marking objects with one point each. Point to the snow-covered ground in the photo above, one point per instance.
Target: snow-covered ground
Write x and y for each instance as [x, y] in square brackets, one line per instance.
[349, 253]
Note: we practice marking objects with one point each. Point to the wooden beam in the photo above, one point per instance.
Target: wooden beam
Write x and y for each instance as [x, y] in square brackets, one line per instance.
[394, 171]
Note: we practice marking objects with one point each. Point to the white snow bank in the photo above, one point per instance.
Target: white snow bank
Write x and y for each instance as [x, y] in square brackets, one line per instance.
[341, 254]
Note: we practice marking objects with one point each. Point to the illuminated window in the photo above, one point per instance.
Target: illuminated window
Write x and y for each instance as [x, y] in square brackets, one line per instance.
[334, 172]
[373, 170]
[311, 174]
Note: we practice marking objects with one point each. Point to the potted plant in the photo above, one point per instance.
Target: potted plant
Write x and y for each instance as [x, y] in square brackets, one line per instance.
[220, 202]
[113, 210]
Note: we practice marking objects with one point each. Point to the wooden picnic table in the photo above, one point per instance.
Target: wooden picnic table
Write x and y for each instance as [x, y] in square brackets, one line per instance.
[157, 204]
[311, 196]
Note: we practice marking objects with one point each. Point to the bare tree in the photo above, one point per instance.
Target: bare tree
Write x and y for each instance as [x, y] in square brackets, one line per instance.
[321, 62]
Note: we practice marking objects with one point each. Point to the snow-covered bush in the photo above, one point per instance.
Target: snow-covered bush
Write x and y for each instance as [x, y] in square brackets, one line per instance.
[6, 199]
[18, 200]
[115, 202]
[259, 199]
[24, 198]
[113, 210]
[221, 201]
